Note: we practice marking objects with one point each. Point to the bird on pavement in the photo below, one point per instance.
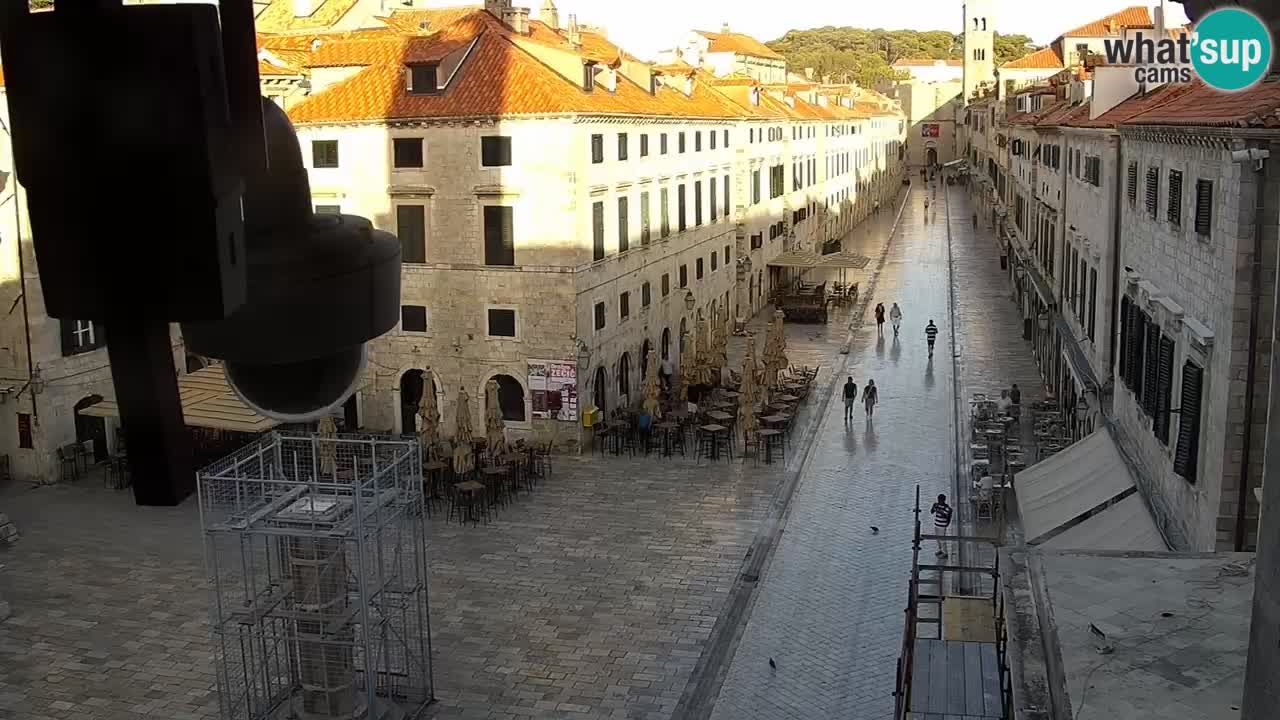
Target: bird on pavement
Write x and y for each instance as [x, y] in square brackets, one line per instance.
[874, 530]
[773, 664]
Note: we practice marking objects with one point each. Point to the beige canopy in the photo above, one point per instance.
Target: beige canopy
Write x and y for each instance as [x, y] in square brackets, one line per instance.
[845, 261]
[796, 259]
[207, 402]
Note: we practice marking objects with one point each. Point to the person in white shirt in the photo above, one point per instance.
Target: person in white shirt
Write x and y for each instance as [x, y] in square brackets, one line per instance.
[1004, 404]
[895, 316]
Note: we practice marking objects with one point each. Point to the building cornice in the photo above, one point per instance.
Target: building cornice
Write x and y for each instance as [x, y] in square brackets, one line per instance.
[1210, 137]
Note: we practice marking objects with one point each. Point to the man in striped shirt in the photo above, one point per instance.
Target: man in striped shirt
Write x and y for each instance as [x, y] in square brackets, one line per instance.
[931, 332]
[941, 512]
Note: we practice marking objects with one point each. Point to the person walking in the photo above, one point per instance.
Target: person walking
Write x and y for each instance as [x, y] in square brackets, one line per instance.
[850, 398]
[875, 209]
[870, 396]
[941, 512]
[931, 334]
[880, 318]
[664, 373]
[895, 315]
[1015, 397]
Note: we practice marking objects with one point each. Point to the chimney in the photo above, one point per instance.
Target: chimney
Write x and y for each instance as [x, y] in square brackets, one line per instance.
[687, 88]
[572, 33]
[808, 73]
[609, 79]
[497, 8]
[1113, 27]
[1159, 15]
[516, 18]
[304, 8]
[549, 15]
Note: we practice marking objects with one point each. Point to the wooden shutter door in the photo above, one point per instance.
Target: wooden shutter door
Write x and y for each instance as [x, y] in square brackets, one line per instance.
[1164, 390]
[1187, 455]
[1151, 370]
[1123, 368]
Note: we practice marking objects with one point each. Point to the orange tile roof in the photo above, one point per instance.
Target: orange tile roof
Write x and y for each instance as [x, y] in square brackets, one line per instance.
[595, 46]
[1131, 107]
[499, 78]
[278, 16]
[1057, 114]
[739, 43]
[266, 67]
[927, 62]
[1042, 59]
[1201, 105]
[1135, 16]
[412, 21]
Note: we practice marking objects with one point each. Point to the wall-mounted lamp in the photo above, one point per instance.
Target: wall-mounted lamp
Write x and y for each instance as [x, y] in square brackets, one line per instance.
[689, 300]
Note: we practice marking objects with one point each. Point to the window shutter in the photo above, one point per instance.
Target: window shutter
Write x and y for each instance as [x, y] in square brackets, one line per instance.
[1123, 367]
[1151, 370]
[597, 231]
[1204, 205]
[624, 232]
[1093, 301]
[1133, 182]
[1186, 456]
[1175, 198]
[1153, 189]
[1164, 388]
[1137, 328]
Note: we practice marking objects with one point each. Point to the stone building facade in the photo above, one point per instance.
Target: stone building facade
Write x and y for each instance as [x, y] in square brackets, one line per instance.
[581, 224]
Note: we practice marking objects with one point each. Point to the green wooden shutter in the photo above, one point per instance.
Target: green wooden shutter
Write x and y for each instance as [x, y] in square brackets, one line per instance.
[1187, 455]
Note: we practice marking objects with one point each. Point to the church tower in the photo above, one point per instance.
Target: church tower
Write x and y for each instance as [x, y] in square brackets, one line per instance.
[979, 47]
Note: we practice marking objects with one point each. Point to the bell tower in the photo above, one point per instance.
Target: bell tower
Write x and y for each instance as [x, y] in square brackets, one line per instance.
[979, 47]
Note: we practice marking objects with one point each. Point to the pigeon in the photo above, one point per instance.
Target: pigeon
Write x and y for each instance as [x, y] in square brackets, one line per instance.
[874, 530]
[773, 664]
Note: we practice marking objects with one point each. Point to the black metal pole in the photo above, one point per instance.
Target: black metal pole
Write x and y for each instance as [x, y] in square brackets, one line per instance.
[151, 411]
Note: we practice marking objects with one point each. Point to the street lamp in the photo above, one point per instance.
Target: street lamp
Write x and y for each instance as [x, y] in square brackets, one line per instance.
[1082, 407]
[689, 300]
[746, 261]
[1043, 320]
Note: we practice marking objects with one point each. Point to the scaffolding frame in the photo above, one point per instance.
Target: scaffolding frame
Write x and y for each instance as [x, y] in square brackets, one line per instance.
[315, 550]
[915, 621]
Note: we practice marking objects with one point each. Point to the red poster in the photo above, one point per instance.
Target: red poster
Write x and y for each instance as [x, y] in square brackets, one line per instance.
[930, 130]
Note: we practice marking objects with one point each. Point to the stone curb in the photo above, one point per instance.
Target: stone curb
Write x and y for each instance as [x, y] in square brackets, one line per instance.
[703, 688]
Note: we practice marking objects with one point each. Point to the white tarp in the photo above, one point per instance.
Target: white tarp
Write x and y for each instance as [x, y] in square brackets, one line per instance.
[1072, 483]
[1127, 525]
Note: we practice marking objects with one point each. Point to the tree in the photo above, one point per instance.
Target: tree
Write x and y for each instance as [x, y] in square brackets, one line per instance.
[867, 56]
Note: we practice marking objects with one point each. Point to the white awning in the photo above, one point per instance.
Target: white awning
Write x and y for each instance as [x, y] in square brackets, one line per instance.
[207, 402]
[1084, 498]
[796, 259]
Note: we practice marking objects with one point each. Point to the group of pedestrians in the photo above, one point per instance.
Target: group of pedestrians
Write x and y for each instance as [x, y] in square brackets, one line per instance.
[870, 393]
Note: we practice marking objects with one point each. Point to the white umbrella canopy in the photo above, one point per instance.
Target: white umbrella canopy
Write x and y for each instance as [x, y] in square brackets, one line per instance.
[463, 461]
[327, 429]
[495, 427]
[429, 413]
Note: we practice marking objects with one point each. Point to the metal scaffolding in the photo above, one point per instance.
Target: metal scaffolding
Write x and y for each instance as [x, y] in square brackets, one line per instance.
[315, 550]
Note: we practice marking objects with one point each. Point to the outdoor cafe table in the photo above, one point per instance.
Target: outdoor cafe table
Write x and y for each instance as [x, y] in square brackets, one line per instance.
[775, 419]
[788, 398]
[668, 429]
[715, 431]
[721, 417]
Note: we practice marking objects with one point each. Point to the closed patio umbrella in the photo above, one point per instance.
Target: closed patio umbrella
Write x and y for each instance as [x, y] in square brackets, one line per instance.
[652, 405]
[495, 428]
[328, 431]
[429, 413]
[463, 461]
[747, 394]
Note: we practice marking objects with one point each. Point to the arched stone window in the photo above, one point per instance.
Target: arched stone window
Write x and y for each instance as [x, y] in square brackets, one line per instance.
[510, 398]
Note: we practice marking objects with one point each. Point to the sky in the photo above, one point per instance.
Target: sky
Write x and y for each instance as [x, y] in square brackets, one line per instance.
[646, 27]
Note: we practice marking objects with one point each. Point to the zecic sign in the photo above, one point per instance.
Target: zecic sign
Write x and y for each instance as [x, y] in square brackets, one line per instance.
[1230, 50]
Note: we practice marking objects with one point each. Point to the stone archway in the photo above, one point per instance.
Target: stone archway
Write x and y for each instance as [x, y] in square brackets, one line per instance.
[644, 358]
[412, 384]
[510, 398]
[931, 156]
[666, 344]
[89, 428]
[600, 390]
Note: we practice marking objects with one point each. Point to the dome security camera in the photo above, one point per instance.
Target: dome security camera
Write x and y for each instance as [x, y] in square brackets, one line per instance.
[318, 288]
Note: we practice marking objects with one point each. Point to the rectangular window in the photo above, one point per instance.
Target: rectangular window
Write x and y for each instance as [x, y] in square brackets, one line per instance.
[697, 203]
[597, 231]
[1123, 366]
[755, 186]
[597, 149]
[1080, 301]
[1204, 206]
[406, 152]
[644, 145]
[757, 241]
[697, 269]
[624, 235]
[727, 198]
[1164, 390]
[697, 141]
[1153, 191]
[624, 306]
[1174, 211]
[1133, 182]
[712, 136]
[423, 80]
[644, 218]
[684, 276]
[680, 142]
[715, 208]
[1093, 302]
[24, 431]
[1187, 455]
[662, 144]
[1151, 370]
[622, 146]
[328, 209]
[324, 153]
[665, 210]
[502, 323]
[589, 76]
[715, 261]
[646, 294]
[600, 316]
[726, 138]
[495, 151]
[413, 318]
[666, 284]
[726, 254]
[499, 235]
[681, 215]
[80, 336]
[411, 228]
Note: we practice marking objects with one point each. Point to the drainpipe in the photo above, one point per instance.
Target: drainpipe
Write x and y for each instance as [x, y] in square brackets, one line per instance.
[1115, 257]
[1258, 155]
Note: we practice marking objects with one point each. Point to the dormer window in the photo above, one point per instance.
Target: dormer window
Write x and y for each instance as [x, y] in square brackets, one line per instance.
[424, 79]
[588, 76]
